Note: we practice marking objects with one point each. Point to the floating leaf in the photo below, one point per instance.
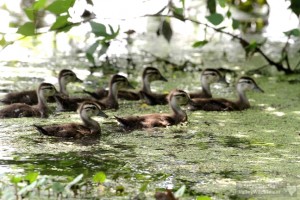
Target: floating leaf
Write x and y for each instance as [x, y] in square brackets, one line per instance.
[235, 23]
[60, 22]
[100, 177]
[3, 41]
[60, 6]
[144, 187]
[200, 43]
[294, 32]
[27, 29]
[215, 18]
[98, 29]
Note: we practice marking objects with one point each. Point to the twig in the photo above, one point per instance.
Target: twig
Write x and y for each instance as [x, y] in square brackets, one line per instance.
[243, 42]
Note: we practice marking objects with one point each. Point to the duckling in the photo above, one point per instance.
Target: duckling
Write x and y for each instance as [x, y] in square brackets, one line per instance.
[109, 102]
[217, 104]
[74, 130]
[176, 98]
[149, 75]
[30, 96]
[16, 110]
[208, 76]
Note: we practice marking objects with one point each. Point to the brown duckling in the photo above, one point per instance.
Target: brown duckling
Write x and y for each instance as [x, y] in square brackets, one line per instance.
[217, 104]
[109, 102]
[30, 96]
[16, 110]
[150, 74]
[208, 76]
[75, 130]
[176, 98]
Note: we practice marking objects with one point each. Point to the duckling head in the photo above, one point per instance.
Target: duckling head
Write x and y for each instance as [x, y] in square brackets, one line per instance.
[209, 76]
[246, 84]
[68, 76]
[120, 82]
[47, 90]
[90, 109]
[153, 74]
[178, 97]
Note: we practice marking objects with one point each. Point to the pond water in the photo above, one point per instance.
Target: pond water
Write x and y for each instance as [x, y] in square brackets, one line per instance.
[223, 155]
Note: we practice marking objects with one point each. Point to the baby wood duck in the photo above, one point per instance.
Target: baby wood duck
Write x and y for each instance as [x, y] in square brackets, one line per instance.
[74, 130]
[150, 74]
[16, 110]
[217, 104]
[176, 98]
[109, 102]
[30, 96]
[208, 76]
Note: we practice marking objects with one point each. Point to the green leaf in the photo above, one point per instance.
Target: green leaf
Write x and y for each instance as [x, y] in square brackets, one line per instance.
[30, 13]
[60, 6]
[98, 29]
[178, 13]
[104, 48]
[27, 29]
[295, 6]
[222, 3]
[89, 53]
[211, 6]
[58, 187]
[203, 198]
[3, 41]
[294, 32]
[60, 22]
[113, 33]
[31, 176]
[15, 179]
[167, 30]
[200, 43]
[144, 187]
[40, 4]
[180, 191]
[215, 18]
[235, 24]
[100, 177]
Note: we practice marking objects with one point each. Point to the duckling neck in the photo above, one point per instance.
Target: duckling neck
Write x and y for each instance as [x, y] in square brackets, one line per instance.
[113, 92]
[205, 87]
[91, 124]
[178, 114]
[146, 85]
[42, 104]
[62, 86]
[242, 101]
